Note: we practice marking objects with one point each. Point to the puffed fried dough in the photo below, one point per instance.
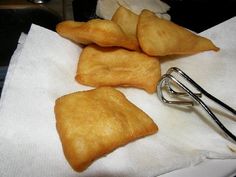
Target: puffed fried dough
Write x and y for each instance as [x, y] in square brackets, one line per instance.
[93, 123]
[127, 20]
[100, 66]
[104, 33]
[160, 37]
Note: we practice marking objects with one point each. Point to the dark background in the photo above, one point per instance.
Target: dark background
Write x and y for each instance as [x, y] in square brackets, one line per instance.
[196, 15]
[199, 15]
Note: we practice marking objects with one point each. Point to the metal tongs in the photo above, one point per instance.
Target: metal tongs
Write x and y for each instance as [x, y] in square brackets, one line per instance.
[168, 81]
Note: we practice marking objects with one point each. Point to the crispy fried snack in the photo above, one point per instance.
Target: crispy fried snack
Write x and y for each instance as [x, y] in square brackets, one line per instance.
[93, 123]
[104, 33]
[127, 20]
[100, 66]
[160, 37]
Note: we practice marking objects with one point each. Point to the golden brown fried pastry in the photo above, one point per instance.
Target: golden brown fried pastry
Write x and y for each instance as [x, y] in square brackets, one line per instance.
[95, 122]
[100, 66]
[160, 37]
[104, 33]
[127, 20]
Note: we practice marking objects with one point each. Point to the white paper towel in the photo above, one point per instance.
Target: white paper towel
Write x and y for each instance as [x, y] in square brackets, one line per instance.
[44, 70]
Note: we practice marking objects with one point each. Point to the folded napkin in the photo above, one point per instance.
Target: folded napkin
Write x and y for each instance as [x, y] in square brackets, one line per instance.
[43, 69]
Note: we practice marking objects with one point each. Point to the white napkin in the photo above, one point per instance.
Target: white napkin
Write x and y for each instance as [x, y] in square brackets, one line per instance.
[44, 70]
[106, 8]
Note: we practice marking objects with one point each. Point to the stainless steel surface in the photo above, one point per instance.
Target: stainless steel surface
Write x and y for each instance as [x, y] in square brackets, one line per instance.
[168, 80]
[68, 10]
[3, 71]
[39, 1]
[54, 6]
[17, 17]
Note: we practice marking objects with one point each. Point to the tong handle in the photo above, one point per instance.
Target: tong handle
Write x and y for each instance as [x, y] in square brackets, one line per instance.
[165, 81]
[200, 89]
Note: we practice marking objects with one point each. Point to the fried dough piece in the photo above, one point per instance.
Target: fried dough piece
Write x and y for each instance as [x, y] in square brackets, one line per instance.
[93, 123]
[127, 20]
[104, 33]
[100, 66]
[160, 37]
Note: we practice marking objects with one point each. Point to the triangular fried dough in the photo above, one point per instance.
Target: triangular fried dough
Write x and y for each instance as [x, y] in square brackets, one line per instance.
[93, 123]
[160, 37]
[105, 33]
[127, 20]
[99, 66]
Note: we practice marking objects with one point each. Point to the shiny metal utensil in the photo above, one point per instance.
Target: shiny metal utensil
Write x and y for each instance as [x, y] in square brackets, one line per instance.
[168, 81]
